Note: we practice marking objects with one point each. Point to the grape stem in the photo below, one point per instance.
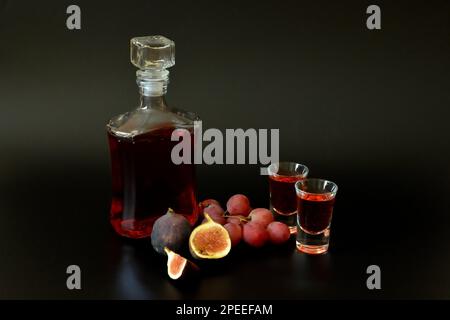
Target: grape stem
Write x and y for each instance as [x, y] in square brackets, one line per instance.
[241, 218]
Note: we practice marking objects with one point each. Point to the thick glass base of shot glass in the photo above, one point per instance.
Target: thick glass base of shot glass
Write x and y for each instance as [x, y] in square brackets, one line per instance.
[289, 219]
[313, 243]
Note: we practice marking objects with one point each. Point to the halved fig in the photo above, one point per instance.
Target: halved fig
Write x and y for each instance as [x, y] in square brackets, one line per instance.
[209, 240]
[179, 267]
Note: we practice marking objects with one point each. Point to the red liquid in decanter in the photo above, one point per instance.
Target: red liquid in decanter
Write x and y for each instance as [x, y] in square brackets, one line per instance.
[146, 182]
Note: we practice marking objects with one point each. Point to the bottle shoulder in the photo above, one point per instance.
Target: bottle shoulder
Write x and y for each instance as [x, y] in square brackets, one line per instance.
[143, 120]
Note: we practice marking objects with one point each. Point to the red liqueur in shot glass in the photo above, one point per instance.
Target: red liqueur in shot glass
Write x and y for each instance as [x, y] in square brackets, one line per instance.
[315, 204]
[283, 199]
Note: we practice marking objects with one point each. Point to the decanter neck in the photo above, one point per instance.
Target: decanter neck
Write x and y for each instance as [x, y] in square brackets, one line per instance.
[154, 102]
[152, 88]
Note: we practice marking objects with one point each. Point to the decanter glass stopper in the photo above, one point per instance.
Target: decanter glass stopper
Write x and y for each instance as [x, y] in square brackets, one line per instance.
[152, 52]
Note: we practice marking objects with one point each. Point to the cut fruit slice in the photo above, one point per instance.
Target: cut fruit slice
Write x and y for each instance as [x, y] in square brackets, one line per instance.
[209, 240]
[178, 266]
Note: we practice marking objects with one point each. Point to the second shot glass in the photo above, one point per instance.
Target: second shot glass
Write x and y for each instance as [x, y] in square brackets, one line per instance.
[283, 198]
[316, 199]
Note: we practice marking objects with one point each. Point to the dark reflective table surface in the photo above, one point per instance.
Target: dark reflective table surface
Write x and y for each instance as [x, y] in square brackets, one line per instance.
[55, 216]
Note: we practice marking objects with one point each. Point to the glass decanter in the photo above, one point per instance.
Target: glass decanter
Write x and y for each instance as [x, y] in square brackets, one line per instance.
[145, 180]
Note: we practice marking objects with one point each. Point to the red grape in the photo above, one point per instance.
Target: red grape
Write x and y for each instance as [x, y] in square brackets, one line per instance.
[217, 218]
[216, 213]
[255, 234]
[238, 205]
[262, 216]
[235, 232]
[213, 209]
[278, 232]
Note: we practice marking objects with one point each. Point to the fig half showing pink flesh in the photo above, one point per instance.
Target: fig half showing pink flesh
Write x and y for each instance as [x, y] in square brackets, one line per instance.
[179, 267]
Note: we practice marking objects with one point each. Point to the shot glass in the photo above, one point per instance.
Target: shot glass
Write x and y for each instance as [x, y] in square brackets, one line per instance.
[283, 199]
[315, 208]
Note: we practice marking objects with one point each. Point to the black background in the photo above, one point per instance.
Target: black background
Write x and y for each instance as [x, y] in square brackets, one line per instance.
[366, 109]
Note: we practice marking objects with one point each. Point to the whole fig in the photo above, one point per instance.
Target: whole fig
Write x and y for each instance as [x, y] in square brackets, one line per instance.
[171, 230]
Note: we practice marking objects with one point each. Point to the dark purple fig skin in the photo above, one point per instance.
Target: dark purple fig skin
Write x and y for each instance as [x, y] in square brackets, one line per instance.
[171, 230]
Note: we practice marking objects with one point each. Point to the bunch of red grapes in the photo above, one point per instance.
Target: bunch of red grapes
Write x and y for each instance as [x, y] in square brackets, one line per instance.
[256, 227]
